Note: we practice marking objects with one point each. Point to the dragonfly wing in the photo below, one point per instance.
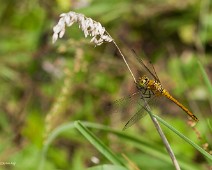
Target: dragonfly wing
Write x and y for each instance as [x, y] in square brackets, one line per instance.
[144, 105]
[154, 75]
[137, 102]
[137, 116]
[121, 105]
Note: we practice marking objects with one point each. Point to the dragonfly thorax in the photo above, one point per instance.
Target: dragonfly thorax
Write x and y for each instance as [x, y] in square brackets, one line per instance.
[145, 83]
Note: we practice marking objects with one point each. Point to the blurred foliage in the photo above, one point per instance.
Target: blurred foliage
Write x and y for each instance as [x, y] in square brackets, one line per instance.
[44, 86]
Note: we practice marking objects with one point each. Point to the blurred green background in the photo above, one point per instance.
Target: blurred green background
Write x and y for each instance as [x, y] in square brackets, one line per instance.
[44, 85]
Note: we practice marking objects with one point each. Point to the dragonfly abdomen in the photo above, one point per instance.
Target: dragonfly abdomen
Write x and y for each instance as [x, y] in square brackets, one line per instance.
[170, 97]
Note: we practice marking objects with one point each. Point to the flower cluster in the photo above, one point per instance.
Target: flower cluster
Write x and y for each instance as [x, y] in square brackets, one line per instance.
[87, 25]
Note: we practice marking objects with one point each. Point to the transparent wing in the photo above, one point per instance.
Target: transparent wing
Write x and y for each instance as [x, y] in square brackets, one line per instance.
[137, 116]
[135, 103]
[140, 113]
[125, 103]
[153, 74]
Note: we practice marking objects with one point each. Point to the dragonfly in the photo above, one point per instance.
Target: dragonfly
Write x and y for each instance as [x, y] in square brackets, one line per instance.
[148, 90]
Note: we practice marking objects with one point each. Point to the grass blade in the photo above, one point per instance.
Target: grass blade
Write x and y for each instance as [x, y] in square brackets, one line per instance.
[49, 140]
[98, 144]
[206, 154]
[206, 79]
[140, 143]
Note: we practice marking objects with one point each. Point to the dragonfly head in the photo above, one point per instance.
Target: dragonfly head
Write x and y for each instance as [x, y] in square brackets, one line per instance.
[143, 81]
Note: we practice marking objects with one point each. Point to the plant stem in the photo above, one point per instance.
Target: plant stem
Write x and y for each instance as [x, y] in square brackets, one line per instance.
[124, 61]
[157, 126]
[165, 141]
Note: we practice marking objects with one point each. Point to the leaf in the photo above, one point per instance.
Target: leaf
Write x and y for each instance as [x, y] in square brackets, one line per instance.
[97, 143]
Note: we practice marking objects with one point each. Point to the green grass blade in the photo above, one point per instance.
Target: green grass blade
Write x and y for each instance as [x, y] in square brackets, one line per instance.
[209, 124]
[142, 144]
[49, 140]
[97, 143]
[205, 78]
[206, 154]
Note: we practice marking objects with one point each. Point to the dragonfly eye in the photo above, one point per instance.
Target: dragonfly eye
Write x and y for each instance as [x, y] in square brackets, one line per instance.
[143, 81]
[145, 78]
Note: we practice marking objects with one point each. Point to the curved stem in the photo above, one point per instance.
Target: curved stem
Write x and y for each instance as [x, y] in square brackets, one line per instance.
[154, 120]
[125, 61]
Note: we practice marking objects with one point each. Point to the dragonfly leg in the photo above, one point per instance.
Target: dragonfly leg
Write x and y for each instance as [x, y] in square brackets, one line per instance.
[147, 94]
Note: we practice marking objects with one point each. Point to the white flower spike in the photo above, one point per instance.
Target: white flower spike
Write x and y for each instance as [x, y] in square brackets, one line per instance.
[87, 25]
